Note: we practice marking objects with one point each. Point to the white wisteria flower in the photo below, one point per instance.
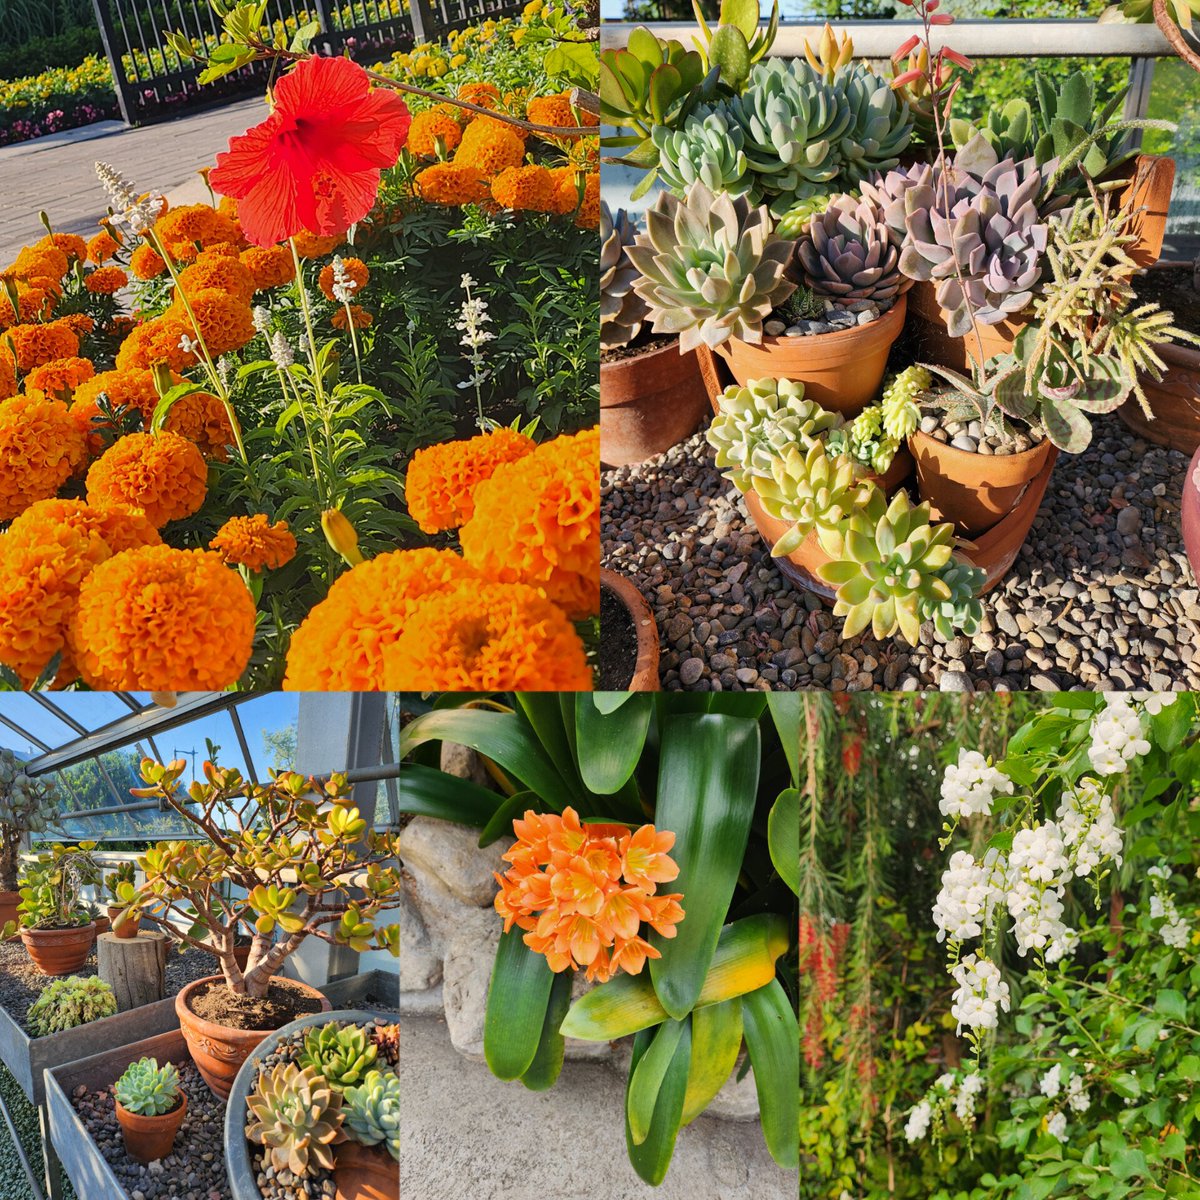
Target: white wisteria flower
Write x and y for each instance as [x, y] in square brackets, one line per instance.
[1089, 826]
[1117, 735]
[1077, 1094]
[971, 891]
[1056, 1126]
[980, 995]
[1051, 1083]
[964, 1102]
[970, 785]
[917, 1125]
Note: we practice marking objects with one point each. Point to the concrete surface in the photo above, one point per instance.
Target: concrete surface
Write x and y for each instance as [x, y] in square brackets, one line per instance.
[57, 173]
[465, 1134]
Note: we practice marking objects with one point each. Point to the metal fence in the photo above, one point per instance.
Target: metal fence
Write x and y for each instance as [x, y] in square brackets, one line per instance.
[153, 81]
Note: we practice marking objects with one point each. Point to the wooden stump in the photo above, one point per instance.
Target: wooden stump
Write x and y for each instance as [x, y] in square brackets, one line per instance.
[135, 968]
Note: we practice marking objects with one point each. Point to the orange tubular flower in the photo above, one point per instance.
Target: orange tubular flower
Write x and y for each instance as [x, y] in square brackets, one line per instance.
[33, 304]
[255, 543]
[268, 266]
[38, 344]
[41, 261]
[526, 189]
[41, 447]
[354, 269]
[340, 644]
[358, 315]
[489, 147]
[215, 270]
[162, 619]
[106, 281]
[482, 636]
[158, 341]
[224, 320]
[201, 418]
[451, 184]
[61, 375]
[146, 263]
[442, 479]
[583, 892]
[566, 190]
[537, 521]
[429, 126]
[102, 247]
[163, 474]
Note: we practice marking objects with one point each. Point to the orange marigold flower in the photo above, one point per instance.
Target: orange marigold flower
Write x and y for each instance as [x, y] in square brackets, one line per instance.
[41, 447]
[105, 281]
[80, 324]
[589, 210]
[427, 127]
[163, 474]
[489, 147]
[227, 207]
[451, 184]
[566, 190]
[162, 619]
[255, 543]
[442, 479]
[358, 315]
[184, 229]
[484, 636]
[102, 247]
[340, 644]
[8, 378]
[526, 189]
[269, 266]
[41, 261]
[158, 341]
[215, 270]
[121, 527]
[557, 111]
[582, 893]
[131, 388]
[61, 375]
[486, 95]
[146, 263]
[224, 321]
[310, 245]
[354, 269]
[537, 521]
[202, 419]
[33, 305]
[71, 244]
[38, 344]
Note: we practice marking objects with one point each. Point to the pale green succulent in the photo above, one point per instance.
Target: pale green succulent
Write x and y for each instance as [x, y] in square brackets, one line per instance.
[66, 1003]
[758, 422]
[887, 562]
[705, 149]
[866, 443]
[148, 1089]
[809, 490]
[795, 221]
[880, 122]
[901, 413]
[372, 1111]
[343, 1056]
[295, 1114]
[710, 268]
[961, 611]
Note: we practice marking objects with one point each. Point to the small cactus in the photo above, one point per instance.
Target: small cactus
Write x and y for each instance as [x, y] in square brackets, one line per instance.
[148, 1089]
[372, 1111]
[297, 1117]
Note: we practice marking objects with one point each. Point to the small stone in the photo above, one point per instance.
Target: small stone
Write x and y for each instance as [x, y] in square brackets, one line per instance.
[690, 671]
[1129, 520]
[964, 442]
[955, 681]
[775, 328]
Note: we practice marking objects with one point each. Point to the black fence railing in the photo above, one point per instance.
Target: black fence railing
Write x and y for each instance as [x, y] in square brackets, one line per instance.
[153, 81]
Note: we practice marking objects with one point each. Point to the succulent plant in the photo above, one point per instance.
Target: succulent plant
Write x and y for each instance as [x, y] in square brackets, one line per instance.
[961, 611]
[830, 54]
[901, 414]
[865, 441]
[802, 305]
[295, 1114]
[148, 1089]
[705, 148]
[372, 1111]
[887, 560]
[1009, 129]
[795, 221]
[737, 43]
[848, 254]
[387, 1042]
[710, 267]
[809, 489]
[758, 422]
[622, 310]
[915, 92]
[886, 190]
[992, 235]
[65, 1003]
[342, 1054]
[880, 123]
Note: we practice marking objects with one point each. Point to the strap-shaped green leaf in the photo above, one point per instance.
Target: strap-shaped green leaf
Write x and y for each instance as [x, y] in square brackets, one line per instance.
[546, 718]
[433, 793]
[707, 780]
[548, 1060]
[785, 712]
[773, 1041]
[716, 1040]
[518, 999]
[610, 744]
[500, 823]
[647, 1077]
[652, 1156]
[783, 837]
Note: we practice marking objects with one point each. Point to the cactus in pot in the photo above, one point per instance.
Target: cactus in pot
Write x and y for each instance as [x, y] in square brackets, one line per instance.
[622, 310]
[847, 254]
[710, 268]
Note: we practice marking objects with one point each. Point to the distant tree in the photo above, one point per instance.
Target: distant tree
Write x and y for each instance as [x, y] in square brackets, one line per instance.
[282, 745]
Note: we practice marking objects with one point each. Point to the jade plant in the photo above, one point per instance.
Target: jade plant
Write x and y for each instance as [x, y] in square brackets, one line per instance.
[736, 43]
[295, 852]
[622, 310]
[371, 1111]
[27, 805]
[65, 1003]
[296, 1114]
[710, 268]
[147, 1089]
[52, 889]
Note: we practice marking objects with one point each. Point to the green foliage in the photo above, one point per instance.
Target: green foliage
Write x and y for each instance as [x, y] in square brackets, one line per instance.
[343, 1055]
[51, 889]
[65, 1003]
[148, 1089]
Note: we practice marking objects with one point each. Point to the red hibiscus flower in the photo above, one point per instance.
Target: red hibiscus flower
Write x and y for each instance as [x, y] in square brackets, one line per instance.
[314, 163]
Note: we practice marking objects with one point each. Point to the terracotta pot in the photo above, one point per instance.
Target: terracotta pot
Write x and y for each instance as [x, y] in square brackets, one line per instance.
[1190, 513]
[841, 371]
[148, 1138]
[59, 951]
[218, 1050]
[1148, 198]
[8, 907]
[365, 1173]
[1175, 402]
[645, 669]
[648, 402]
[973, 490]
[934, 344]
[103, 925]
[122, 929]
[241, 956]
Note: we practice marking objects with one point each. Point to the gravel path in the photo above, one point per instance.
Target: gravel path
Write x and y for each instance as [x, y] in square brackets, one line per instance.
[1101, 595]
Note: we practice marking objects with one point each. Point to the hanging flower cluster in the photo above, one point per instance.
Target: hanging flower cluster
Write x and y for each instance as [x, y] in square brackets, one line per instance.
[1174, 930]
[584, 893]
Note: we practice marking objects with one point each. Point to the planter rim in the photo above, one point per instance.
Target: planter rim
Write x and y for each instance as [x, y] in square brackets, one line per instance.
[242, 1181]
[212, 1027]
[643, 355]
[956, 452]
[645, 670]
[836, 337]
[135, 1118]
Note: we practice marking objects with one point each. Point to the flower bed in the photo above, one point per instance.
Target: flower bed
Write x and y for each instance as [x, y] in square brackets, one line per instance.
[57, 99]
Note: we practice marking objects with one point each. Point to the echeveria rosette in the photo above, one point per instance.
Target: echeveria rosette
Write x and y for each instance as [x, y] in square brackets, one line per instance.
[886, 190]
[881, 125]
[710, 268]
[809, 490]
[847, 254]
[622, 310]
[707, 149]
[887, 564]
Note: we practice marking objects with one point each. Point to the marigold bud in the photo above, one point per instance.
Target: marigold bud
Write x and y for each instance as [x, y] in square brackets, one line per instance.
[340, 534]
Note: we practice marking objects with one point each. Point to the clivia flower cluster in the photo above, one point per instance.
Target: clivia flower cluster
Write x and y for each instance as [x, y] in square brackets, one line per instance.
[584, 892]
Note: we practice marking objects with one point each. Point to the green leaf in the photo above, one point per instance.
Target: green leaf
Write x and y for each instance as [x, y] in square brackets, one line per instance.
[432, 793]
[1171, 1004]
[517, 1003]
[783, 837]
[707, 780]
[1189, 1068]
[652, 1156]
[773, 1043]
[168, 400]
[610, 745]
[784, 708]
[646, 1079]
[1129, 1163]
[716, 1040]
[1126, 1085]
[547, 717]
[500, 824]
[548, 1059]
[1171, 725]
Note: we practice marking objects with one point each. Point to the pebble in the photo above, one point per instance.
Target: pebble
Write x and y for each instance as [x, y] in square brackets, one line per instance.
[1097, 598]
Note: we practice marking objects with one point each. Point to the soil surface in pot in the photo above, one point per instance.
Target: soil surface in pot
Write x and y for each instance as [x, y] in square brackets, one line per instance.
[618, 645]
[21, 982]
[1174, 289]
[195, 1170]
[282, 1004]
[640, 345]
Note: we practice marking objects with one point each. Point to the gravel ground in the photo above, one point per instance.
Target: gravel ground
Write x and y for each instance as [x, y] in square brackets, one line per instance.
[196, 1171]
[21, 982]
[13, 1184]
[1101, 595]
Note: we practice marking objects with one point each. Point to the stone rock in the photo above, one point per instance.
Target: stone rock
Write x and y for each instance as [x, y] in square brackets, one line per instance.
[451, 853]
[420, 966]
[955, 681]
[690, 671]
[466, 974]
[1129, 520]
[464, 763]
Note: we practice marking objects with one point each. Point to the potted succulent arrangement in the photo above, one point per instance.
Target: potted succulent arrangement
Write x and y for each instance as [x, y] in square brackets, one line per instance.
[27, 805]
[651, 396]
[124, 920]
[305, 865]
[319, 1099]
[55, 925]
[150, 1107]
